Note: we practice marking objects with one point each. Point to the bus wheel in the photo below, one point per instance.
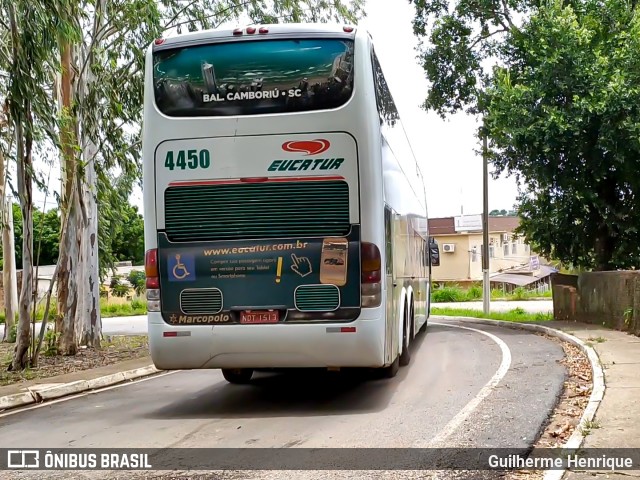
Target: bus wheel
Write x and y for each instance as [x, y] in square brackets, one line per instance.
[405, 358]
[392, 370]
[237, 375]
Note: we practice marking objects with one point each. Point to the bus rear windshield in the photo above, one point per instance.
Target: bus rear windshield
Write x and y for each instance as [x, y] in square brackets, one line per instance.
[253, 77]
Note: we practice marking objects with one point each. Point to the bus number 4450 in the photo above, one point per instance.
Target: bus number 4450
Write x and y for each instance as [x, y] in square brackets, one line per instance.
[188, 158]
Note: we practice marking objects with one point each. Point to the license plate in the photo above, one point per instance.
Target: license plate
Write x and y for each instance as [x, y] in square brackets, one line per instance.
[259, 316]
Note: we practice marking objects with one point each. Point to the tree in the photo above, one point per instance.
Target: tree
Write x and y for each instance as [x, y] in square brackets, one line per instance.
[127, 242]
[561, 111]
[27, 59]
[9, 274]
[500, 213]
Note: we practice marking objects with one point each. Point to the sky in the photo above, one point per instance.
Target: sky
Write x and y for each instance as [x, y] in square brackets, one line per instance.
[444, 148]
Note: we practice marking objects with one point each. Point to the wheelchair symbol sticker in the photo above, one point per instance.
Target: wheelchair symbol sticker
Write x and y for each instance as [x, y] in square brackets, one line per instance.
[181, 268]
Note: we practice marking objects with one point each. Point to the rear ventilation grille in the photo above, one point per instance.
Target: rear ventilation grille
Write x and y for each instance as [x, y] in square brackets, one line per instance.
[257, 210]
[204, 301]
[317, 298]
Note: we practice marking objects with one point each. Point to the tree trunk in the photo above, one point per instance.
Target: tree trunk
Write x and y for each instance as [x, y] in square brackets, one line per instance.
[9, 276]
[71, 208]
[90, 325]
[25, 167]
[607, 232]
[603, 250]
[68, 278]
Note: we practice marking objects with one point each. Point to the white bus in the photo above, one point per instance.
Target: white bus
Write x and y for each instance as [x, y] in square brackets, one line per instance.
[285, 213]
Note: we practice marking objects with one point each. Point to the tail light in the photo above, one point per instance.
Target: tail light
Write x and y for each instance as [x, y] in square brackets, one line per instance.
[264, 30]
[237, 31]
[371, 275]
[251, 30]
[152, 280]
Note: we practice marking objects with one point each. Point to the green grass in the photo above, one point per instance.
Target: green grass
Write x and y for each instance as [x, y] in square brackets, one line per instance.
[114, 307]
[588, 426]
[456, 294]
[515, 315]
[134, 307]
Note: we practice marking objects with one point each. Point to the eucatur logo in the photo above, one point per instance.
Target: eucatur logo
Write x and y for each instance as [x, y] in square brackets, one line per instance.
[310, 147]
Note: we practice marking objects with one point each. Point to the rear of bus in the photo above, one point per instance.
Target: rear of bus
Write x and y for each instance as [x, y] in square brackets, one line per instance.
[258, 252]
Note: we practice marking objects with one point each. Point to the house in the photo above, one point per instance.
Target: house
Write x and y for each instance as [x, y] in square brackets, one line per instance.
[512, 263]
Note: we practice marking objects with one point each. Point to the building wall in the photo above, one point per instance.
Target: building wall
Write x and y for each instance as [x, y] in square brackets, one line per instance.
[465, 263]
[611, 298]
[453, 266]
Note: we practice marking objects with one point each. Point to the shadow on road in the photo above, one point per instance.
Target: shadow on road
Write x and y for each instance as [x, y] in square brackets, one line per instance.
[298, 392]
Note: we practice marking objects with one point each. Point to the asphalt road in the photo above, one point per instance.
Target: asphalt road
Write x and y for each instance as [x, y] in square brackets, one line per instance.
[137, 325]
[463, 388]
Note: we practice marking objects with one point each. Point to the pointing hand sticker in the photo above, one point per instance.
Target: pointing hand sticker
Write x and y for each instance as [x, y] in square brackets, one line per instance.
[301, 265]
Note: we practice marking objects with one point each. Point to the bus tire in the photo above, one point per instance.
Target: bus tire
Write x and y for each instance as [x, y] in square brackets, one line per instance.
[392, 370]
[238, 376]
[405, 356]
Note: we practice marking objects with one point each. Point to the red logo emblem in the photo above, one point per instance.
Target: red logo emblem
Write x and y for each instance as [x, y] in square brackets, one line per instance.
[310, 147]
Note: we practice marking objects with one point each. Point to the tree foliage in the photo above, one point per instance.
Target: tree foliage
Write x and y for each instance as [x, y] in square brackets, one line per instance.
[125, 242]
[502, 213]
[561, 109]
[46, 235]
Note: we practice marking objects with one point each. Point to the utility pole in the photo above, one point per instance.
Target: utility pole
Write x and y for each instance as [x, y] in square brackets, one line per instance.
[486, 286]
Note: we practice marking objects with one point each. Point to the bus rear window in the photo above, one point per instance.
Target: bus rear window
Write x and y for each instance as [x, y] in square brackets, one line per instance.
[253, 77]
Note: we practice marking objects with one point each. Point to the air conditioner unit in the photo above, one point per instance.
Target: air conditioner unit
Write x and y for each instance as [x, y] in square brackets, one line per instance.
[449, 247]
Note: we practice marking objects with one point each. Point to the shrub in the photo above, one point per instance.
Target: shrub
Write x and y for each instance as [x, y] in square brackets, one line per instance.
[448, 294]
[474, 293]
[137, 279]
[519, 294]
[118, 288]
[138, 304]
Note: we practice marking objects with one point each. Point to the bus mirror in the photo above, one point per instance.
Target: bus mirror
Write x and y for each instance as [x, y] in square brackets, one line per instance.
[434, 252]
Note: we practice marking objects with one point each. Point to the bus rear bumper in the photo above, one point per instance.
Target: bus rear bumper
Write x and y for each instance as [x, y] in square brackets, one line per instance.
[356, 344]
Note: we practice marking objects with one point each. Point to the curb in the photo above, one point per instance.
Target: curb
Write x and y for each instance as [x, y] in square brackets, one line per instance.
[577, 438]
[79, 386]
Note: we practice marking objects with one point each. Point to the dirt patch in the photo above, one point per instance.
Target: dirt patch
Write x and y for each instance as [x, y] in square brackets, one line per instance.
[571, 405]
[114, 349]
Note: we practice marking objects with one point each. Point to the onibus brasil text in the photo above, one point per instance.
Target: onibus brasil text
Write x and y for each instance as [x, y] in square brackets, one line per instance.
[73, 460]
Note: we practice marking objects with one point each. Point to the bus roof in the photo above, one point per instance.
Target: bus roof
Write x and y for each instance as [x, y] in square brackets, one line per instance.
[257, 31]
